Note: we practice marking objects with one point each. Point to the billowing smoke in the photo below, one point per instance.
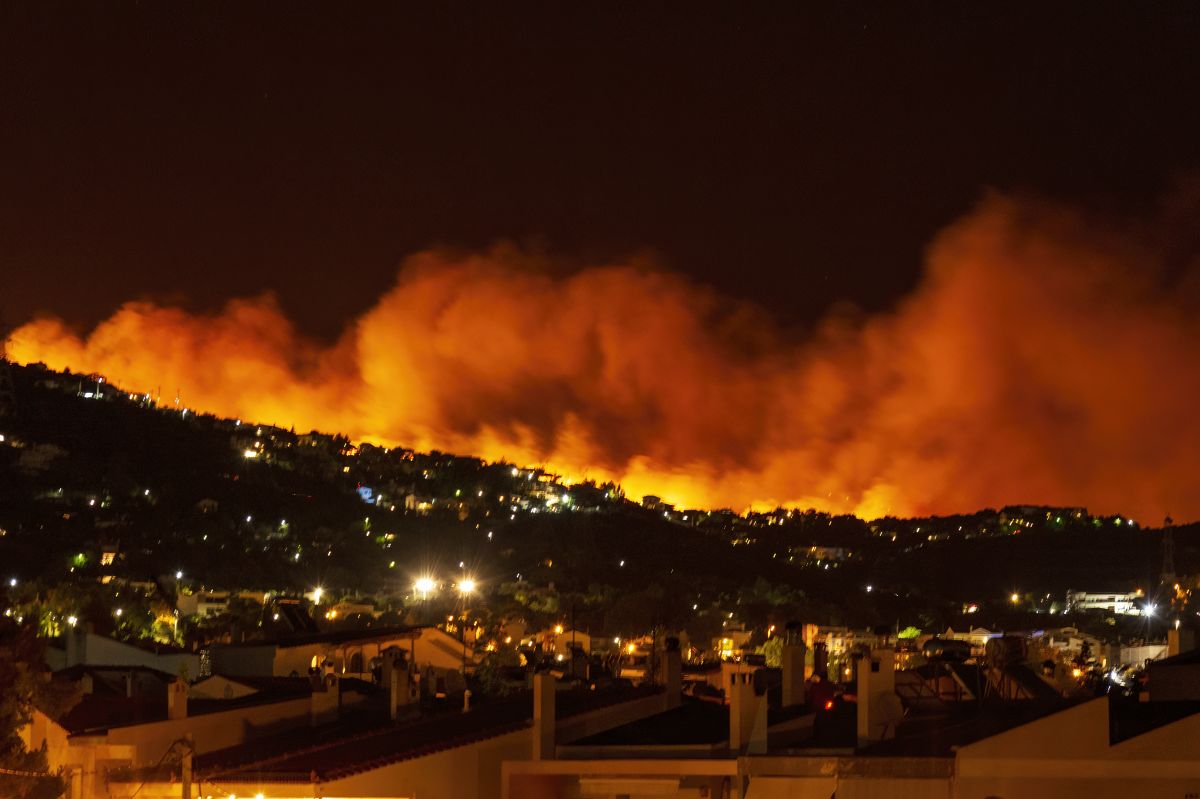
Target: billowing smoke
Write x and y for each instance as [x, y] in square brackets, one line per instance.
[1043, 359]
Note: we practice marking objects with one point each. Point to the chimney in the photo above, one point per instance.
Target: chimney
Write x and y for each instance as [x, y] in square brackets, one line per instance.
[396, 678]
[879, 708]
[747, 715]
[820, 659]
[1180, 640]
[543, 716]
[177, 700]
[672, 677]
[793, 664]
[323, 703]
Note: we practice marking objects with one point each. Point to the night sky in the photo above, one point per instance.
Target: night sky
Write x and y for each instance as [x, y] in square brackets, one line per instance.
[793, 156]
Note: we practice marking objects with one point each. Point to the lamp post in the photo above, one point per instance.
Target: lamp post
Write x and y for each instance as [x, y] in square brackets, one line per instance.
[423, 586]
[466, 587]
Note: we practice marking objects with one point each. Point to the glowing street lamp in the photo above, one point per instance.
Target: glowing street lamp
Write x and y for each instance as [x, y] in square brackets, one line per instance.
[317, 593]
[466, 587]
[1015, 598]
[425, 586]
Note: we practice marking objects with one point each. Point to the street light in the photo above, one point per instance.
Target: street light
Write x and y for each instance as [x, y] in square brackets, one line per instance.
[466, 587]
[1015, 598]
[425, 586]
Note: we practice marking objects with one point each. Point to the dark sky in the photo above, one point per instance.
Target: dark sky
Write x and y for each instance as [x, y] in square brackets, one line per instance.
[791, 155]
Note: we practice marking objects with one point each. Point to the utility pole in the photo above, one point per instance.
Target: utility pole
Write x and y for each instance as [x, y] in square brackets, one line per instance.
[185, 768]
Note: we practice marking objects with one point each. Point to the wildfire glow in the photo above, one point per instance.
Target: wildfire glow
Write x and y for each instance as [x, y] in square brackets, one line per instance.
[1043, 359]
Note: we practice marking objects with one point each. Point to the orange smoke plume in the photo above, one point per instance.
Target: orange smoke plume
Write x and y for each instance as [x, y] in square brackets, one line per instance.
[1041, 360]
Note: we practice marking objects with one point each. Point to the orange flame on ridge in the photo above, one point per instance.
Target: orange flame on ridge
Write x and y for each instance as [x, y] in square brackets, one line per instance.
[1040, 361]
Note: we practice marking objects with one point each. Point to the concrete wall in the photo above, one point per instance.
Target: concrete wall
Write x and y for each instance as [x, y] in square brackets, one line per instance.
[438, 649]
[1137, 655]
[433, 648]
[296, 660]
[779, 787]
[246, 661]
[1170, 682]
[1068, 754]
[466, 772]
[218, 687]
[98, 650]
[562, 779]
[210, 731]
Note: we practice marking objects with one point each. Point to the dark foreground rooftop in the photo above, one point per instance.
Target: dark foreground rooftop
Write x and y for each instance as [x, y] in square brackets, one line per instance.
[340, 751]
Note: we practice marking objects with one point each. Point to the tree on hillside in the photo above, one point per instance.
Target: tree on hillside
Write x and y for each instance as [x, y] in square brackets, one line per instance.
[19, 650]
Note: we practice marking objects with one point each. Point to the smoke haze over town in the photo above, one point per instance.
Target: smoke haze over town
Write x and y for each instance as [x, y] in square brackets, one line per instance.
[1046, 356]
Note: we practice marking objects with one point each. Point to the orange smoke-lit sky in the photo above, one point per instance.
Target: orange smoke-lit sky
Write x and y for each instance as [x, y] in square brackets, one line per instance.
[746, 256]
[1044, 358]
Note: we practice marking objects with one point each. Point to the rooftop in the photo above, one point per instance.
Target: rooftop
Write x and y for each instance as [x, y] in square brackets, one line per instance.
[694, 722]
[110, 708]
[337, 637]
[346, 748]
